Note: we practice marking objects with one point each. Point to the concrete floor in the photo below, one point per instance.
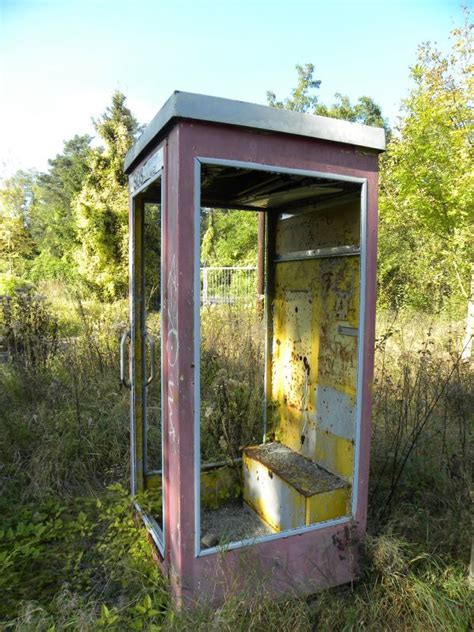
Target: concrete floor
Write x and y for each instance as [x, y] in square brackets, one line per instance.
[231, 523]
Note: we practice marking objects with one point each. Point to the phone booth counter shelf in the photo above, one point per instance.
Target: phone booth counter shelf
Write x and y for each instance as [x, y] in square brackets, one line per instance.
[250, 379]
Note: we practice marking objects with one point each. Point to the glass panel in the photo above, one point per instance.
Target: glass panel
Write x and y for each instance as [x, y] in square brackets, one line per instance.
[152, 305]
[147, 379]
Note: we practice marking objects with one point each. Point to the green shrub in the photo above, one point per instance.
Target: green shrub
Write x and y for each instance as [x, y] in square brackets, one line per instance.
[29, 331]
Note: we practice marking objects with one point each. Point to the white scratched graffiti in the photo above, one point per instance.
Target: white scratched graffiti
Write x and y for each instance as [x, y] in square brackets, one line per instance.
[172, 341]
[172, 345]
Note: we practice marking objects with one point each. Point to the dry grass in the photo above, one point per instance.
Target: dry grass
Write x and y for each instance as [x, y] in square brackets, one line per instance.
[63, 433]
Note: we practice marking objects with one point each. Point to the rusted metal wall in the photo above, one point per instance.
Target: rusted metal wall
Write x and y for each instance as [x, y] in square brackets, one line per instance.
[313, 366]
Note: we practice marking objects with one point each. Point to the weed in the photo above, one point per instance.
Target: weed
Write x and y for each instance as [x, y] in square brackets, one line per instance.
[71, 556]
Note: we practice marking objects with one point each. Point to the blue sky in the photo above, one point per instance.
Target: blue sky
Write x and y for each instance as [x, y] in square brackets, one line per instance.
[60, 60]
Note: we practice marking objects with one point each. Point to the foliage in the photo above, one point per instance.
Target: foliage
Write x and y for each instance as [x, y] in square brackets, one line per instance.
[365, 111]
[405, 588]
[53, 225]
[71, 555]
[63, 419]
[16, 244]
[427, 185]
[230, 238]
[422, 415]
[105, 577]
[302, 99]
[71, 222]
[231, 381]
[101, 208]
[29, 331]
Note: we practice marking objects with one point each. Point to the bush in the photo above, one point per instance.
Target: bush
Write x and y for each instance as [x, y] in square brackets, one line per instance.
[29, 331]
[64, 421]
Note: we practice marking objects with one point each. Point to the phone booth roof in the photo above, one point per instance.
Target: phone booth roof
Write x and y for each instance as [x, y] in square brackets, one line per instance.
[199, 107]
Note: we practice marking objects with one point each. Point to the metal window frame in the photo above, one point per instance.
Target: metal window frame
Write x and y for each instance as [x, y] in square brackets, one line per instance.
[198, 161]
[157, 533]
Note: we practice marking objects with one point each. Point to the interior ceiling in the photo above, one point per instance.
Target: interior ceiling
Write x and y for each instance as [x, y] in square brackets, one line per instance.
[229, 187]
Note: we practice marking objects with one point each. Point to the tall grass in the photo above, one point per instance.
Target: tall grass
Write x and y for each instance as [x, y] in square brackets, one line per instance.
[423, 413]
[71, 556]
[64, 421]
[232, 376]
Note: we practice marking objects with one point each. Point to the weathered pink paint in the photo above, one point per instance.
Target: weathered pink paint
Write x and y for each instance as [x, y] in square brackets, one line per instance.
[291, 564]
[294, 564]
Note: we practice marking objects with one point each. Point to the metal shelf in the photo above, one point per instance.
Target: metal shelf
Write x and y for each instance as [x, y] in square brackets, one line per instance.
[318, 253]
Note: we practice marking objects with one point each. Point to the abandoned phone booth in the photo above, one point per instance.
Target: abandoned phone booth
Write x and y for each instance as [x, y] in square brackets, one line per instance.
[278, 491]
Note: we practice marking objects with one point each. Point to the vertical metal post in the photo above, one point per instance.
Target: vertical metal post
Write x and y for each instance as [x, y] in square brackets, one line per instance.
[260, 261]
[269, 232]
[137, 358]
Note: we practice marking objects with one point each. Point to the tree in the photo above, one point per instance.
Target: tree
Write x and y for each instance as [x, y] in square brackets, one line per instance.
[68, 170]
[365, 111]
[230, 238]
[101, 208]
[427, 185]
[301, 99]
[16, 244]
[52, 217]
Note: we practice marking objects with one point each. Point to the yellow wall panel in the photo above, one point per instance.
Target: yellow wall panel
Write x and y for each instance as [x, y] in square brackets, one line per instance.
[326, 506]
[336, 454]
[312, 299]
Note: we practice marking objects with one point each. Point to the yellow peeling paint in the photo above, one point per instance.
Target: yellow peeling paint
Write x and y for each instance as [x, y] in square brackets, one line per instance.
[336, 226]
[335, 454]
[218, 486]
[311, 299]
[328, 505]
[282, 506]
[279, 504]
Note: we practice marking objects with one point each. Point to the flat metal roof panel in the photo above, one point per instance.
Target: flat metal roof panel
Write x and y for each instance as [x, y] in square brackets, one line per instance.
[187, 105]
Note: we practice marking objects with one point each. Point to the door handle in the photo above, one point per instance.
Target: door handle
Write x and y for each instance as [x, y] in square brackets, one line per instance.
[151, 342]
[123, 379]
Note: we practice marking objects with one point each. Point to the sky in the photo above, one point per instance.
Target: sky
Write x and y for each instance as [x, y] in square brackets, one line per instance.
[61, 60]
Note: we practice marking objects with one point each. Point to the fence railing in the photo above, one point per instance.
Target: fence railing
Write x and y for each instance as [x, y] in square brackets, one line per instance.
[219, 286]
[228, 285]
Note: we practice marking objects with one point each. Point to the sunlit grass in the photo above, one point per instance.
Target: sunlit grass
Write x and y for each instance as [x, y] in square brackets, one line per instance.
[71, 556]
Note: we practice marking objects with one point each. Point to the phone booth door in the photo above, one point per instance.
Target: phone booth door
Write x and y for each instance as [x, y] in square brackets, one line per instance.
[143, 341]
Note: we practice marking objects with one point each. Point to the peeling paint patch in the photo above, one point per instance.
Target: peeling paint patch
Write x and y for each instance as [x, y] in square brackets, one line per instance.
[291, 367]
[336, 454]
[335, 412]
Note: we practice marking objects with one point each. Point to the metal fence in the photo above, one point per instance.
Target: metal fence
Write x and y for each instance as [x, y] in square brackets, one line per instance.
[228, 285]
